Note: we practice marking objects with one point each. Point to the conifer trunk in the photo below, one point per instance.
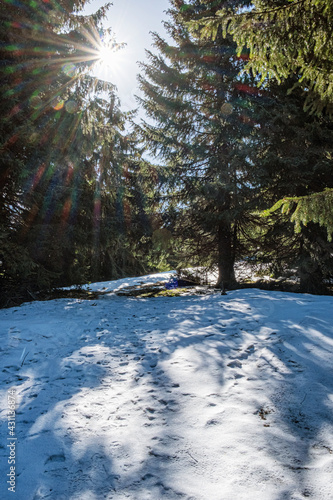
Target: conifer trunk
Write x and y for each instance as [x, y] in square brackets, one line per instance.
[226, 256]
[310, 273]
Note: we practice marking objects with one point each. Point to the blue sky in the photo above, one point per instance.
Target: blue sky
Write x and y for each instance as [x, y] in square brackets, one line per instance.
[131, 21]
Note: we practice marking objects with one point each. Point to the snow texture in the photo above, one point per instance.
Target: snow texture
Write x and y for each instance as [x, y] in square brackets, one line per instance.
[197, 398]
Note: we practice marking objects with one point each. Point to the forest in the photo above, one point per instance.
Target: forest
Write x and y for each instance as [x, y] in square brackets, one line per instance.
[238, 104]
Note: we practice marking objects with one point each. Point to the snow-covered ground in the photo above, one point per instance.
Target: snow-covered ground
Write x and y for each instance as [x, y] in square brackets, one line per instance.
[199, 397]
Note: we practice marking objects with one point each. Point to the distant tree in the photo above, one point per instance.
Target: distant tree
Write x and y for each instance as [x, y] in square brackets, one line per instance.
[116, 207]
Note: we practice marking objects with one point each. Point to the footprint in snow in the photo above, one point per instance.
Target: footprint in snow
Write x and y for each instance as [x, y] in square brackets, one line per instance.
[55, 458]
[13, 329]
[235, 364]
[213, 421]
[296, 365]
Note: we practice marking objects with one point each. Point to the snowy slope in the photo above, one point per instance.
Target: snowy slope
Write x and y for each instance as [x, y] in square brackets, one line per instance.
[198, 397]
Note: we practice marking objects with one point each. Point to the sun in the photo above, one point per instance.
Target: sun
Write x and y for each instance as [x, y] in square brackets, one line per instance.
[112, 61]
[106, 56]
[110, 54]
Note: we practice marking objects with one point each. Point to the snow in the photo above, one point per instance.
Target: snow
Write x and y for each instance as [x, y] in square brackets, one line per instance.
[198, 397]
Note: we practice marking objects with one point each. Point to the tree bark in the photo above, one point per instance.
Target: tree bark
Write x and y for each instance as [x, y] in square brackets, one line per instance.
[226, 256]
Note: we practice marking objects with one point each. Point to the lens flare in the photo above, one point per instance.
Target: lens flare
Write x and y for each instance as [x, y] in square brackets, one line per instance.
[69, 69]
[71, 106]
[59, 106]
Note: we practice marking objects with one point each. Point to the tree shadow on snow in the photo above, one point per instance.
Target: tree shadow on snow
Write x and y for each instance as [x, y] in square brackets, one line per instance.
[103, 417]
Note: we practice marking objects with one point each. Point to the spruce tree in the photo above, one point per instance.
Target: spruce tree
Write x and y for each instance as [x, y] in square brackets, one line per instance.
[289, 42]
[63, 150]
[80, 217]
[200, 120]
[292, 156]
[286, 39]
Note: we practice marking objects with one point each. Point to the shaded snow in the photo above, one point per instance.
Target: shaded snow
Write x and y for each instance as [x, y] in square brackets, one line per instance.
[198, 398]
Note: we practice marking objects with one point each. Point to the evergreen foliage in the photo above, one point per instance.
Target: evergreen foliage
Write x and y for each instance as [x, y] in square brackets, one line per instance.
[317, 208]
[292, 154]
[69, 169]
[284, 39]
[228, 150]
[79, 203]
[201, 118]
[290, 42]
